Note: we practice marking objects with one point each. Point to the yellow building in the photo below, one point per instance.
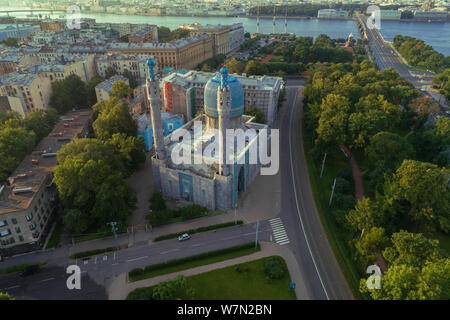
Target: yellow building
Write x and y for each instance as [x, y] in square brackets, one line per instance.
[220, 34]
[180, 54]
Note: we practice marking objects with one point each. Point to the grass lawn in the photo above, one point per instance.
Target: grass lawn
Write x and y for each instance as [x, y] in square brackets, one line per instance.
[229, 284]
[195, 263]
[56, 235]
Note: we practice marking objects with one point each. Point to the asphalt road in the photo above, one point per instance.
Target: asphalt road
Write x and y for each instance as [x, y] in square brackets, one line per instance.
[50, 282]
[385, 58]
[308, 241]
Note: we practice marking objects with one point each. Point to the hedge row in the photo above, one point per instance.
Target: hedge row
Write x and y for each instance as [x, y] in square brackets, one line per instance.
[157, 266]
[15, 268]
[89, 253]
[201, 229]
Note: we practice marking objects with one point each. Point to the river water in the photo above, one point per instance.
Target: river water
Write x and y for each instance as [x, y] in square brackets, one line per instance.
[434, 34]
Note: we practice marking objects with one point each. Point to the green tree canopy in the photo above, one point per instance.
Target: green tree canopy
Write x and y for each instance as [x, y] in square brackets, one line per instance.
[68, 94]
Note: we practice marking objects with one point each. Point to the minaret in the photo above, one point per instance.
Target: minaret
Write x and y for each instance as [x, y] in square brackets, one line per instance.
[224, 109]
[273, 27]
[153, 96]
[285, 22]
[257, 22]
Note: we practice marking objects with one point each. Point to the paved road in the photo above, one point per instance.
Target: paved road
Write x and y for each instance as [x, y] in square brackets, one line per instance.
[385, 58]
[97, 270]
[307, 239]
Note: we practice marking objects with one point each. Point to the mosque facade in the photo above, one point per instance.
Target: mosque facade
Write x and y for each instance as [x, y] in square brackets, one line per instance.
[216, 181]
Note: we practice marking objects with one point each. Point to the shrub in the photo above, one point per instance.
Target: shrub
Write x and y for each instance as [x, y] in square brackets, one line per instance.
[84, 254]
[342, 185]
[344, 201]
[157, 202]
[274, 268]
[193, 211]
[145, 293]
[159, 217]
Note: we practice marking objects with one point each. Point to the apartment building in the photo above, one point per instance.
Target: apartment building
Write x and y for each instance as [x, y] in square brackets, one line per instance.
[183, 93]
[135, 63]
[144, 35]
[28, 199]
[332, 14]
[220, 34]
[32, 90]
[103, 90]
[23, 30]
[185, 53]
[237, 36]
[81, 65]
[125, 29]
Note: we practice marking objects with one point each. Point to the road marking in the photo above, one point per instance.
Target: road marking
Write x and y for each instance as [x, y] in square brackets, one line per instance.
[13, 287]
[296, 201]
[169, 251]
[49, 279]
[135, 259]
[278, 231]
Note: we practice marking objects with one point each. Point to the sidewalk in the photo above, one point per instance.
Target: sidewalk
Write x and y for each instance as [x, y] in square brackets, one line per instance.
[119, 288]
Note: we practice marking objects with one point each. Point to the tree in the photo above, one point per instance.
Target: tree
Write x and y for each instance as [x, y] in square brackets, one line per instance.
[114, 119]
[442, 130]
[235, 66]
[121, 90]
[365, 216]
[206, 68]
[90, 89]
[255, 68]
[390, 148]
[412, 183]
[41, 122]
[258, 114]
[274, 267]
[68, 94]
[157, 202]
[11, 42]
[412, 249]
[424, 107]
[15, 143]
[110, 72]
[131, 78]
[372, 242]
[163, 33]
[333, 119]
[5, 296]
[130, 150]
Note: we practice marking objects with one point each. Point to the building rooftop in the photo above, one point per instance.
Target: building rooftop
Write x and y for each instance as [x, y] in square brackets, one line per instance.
[35, 170]
[18, 78]
[108, 84]
[157, 45]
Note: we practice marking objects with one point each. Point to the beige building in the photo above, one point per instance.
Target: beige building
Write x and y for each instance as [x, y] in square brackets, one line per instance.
[220, 34]
[103, 90]
[135, 63]
[32, 90]
[180, 54]
[82, 66]
[27, 200]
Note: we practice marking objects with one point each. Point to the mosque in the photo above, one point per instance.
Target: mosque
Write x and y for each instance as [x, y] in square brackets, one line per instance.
[210, 183]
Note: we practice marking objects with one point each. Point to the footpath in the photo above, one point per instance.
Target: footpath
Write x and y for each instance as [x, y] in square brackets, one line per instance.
[120, 287]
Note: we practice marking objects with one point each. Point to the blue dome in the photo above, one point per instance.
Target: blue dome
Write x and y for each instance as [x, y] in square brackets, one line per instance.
[237, 96]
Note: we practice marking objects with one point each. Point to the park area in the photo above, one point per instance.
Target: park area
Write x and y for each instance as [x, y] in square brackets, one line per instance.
[262, 279]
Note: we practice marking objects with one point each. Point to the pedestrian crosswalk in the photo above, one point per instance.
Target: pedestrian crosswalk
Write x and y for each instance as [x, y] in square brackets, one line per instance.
[279, 233]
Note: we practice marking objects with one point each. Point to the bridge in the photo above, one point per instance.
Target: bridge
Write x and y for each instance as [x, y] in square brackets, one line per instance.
[31, 11]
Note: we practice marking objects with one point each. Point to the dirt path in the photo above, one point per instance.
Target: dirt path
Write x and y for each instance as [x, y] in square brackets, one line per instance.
[357, 175]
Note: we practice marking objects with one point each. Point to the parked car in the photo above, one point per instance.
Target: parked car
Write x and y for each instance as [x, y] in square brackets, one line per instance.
[183, 237]
[28, 271]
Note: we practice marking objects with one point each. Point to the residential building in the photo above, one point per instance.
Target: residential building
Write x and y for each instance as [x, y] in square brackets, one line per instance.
[183, 93]
[144, 35]
[10, 30]
[32, 90]
[103, 90]
[28, 199]
[390, 15]
[431, 16]
[185, 53]
[135, 63]
[220, 34]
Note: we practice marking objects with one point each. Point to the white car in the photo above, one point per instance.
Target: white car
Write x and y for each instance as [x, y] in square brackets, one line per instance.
[183, 237]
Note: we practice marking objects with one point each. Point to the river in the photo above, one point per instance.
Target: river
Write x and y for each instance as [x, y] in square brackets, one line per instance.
[435, 34]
